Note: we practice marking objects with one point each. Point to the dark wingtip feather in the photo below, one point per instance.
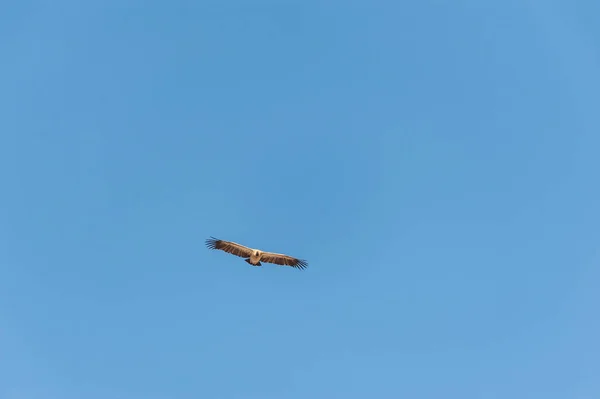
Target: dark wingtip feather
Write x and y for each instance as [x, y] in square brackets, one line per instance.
[212, 242]
[301, 264]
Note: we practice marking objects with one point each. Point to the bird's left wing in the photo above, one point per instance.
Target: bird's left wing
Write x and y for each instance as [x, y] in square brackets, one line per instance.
[285, 260]
[229, 246]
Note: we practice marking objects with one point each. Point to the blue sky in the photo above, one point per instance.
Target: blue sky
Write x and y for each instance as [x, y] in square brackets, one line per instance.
[437, 165]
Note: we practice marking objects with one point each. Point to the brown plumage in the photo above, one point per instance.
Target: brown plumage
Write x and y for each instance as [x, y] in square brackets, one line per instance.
[255, 256]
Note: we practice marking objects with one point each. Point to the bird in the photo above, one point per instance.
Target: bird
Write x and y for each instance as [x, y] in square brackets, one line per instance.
[255, 256]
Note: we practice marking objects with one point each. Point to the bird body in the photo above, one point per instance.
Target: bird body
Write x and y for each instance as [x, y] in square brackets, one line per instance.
[255, 256]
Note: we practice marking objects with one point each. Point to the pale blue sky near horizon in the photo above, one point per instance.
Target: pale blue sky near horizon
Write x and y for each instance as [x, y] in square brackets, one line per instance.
[436, 164]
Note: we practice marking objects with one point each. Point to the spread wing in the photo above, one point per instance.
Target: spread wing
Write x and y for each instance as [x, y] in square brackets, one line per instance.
[230, 247]
[285, 260]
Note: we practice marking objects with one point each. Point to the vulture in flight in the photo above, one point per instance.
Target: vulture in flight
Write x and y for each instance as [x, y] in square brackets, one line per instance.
[255, 256]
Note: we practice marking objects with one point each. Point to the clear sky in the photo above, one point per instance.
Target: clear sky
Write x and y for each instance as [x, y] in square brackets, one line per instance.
[435, 162]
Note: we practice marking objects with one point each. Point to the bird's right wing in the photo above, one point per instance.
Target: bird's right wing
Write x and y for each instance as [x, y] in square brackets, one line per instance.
[230, 247]
[285, 260]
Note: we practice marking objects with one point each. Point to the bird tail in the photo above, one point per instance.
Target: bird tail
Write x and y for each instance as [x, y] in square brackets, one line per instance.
[248, 260]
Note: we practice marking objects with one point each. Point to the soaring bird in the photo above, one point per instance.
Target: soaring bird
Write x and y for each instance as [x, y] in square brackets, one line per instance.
[255, 256]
